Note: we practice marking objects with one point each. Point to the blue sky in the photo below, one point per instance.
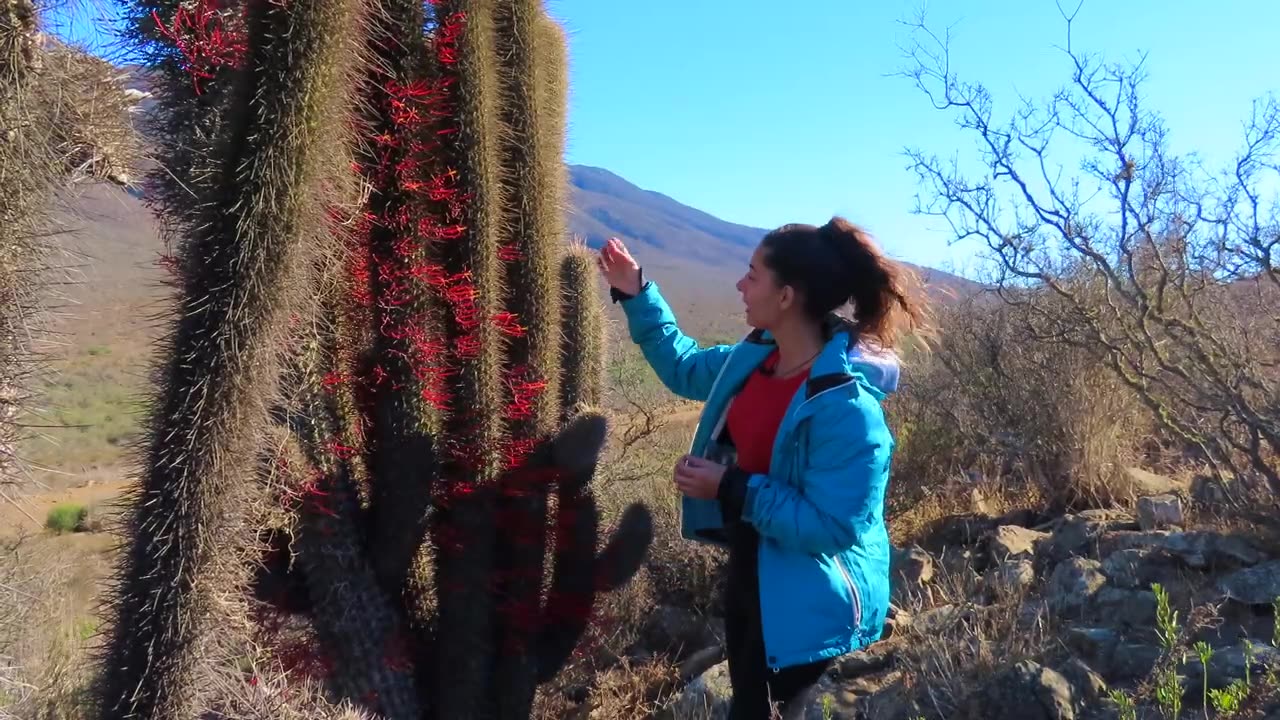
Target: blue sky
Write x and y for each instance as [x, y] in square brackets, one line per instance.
[764, 112]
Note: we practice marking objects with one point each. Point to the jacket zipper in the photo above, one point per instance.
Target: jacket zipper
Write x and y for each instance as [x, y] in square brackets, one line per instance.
[715, 384]
[853, 592]
[844, 572]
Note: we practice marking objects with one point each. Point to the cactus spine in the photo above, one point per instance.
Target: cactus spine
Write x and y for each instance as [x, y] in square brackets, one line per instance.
[243, 265]
[441, 446]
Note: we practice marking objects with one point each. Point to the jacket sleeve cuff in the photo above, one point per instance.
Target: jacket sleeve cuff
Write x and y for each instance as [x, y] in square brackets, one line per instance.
[732, 494]
[618, 296]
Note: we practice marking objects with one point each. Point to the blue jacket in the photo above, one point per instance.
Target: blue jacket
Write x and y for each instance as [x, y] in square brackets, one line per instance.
[824, 548]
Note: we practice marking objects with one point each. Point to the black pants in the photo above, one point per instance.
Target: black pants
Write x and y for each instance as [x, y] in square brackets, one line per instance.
[755, 685]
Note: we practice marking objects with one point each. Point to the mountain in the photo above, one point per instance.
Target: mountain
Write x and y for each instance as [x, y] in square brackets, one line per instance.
[695, 256]
[663, 233]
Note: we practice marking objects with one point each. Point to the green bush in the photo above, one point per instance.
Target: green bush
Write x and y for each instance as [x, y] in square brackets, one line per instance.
[67, 517]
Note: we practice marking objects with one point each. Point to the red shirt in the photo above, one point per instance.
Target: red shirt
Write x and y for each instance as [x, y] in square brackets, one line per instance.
[756, 413]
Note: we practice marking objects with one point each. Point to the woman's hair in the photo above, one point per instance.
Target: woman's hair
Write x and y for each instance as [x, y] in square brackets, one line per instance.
[839, 265]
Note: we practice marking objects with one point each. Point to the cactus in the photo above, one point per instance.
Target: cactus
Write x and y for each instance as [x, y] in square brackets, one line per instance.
[246, 259]
[432, 449]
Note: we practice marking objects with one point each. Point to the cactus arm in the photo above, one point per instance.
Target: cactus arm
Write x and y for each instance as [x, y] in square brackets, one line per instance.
[403, 383]
[466, 248]
[582, 383]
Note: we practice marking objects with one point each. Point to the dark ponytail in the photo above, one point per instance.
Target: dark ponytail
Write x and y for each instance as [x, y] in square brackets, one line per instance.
[839, 266]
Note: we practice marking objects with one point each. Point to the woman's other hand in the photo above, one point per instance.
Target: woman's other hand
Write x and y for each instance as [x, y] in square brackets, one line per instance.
[698, 477]
[620, 270]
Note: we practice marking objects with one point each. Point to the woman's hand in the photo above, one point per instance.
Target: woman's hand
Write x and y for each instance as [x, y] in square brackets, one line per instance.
[698, 477]
[620, 270]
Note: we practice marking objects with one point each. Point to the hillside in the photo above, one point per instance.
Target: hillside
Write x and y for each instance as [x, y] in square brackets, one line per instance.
[696, 256]
[665, 233]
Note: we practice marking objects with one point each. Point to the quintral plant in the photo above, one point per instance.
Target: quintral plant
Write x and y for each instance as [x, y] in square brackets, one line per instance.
[382, 327]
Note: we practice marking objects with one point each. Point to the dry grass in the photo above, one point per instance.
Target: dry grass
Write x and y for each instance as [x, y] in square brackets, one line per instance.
[47, 586]
[954, 644]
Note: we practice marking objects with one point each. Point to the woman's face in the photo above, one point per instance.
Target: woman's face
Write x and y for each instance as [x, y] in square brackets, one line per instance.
[766, 302]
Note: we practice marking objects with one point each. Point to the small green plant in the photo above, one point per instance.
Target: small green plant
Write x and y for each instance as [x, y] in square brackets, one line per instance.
[66, 517]
[828, 707]
[1125, 708]
[1249, 655]
[1169, 691]
[1204, 651]
[1166, 618]
[1229, 699]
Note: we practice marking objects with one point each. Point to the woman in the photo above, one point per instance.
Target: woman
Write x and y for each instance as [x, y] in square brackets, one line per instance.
[789, 464]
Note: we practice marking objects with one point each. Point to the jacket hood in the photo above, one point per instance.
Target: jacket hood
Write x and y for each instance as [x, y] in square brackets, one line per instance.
[880, 367]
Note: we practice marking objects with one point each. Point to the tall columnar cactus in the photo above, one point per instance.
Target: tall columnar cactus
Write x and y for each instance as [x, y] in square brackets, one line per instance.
[246, 257]
[435, 449]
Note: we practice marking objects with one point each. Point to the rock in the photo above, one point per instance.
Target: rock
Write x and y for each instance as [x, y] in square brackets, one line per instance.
[895, 701]
[1123, 568]
[1072, 585]
[1010, 578]
[676, 630]
[1228, 664]
[1258, 585]
[1128, 661]
[1011, 541]
[705, 698]
[1027, 691]
[959, 562]
[875, 658]
[1159, 511]
[1198, 550]
[936, 621]
[1210, 491]
[1075, 536]
[1092, 642]
[1211, 551]
[910, 570]
[1136, 483]
[1124, 608]
[1089, 685]
[1111, 542]
[1109, 518]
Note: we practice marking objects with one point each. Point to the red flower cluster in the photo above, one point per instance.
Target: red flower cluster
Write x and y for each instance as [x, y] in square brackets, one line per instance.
[202, 40]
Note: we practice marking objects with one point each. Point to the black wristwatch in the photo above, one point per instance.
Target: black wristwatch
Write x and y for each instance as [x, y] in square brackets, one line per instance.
[617, 295]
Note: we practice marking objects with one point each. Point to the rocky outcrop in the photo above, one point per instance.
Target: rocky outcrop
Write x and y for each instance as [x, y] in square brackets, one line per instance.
[1088, 575]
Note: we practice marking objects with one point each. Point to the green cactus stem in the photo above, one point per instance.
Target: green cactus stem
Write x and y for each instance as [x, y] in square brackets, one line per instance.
[402, 378]
[583, 371]
[467, 226]
[246, 259]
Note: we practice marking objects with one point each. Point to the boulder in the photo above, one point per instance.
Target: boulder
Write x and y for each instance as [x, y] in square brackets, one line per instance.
[1258, 585]
[1027, 691]
[1012, 541]
[1073, 584]
[1159, 511]
[1136, 483]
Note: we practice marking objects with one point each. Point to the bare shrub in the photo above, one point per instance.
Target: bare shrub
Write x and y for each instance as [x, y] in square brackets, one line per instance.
[1144, 261]
[992, 405]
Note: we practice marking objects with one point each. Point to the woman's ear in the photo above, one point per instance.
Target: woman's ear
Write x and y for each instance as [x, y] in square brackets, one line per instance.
[786, 298]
